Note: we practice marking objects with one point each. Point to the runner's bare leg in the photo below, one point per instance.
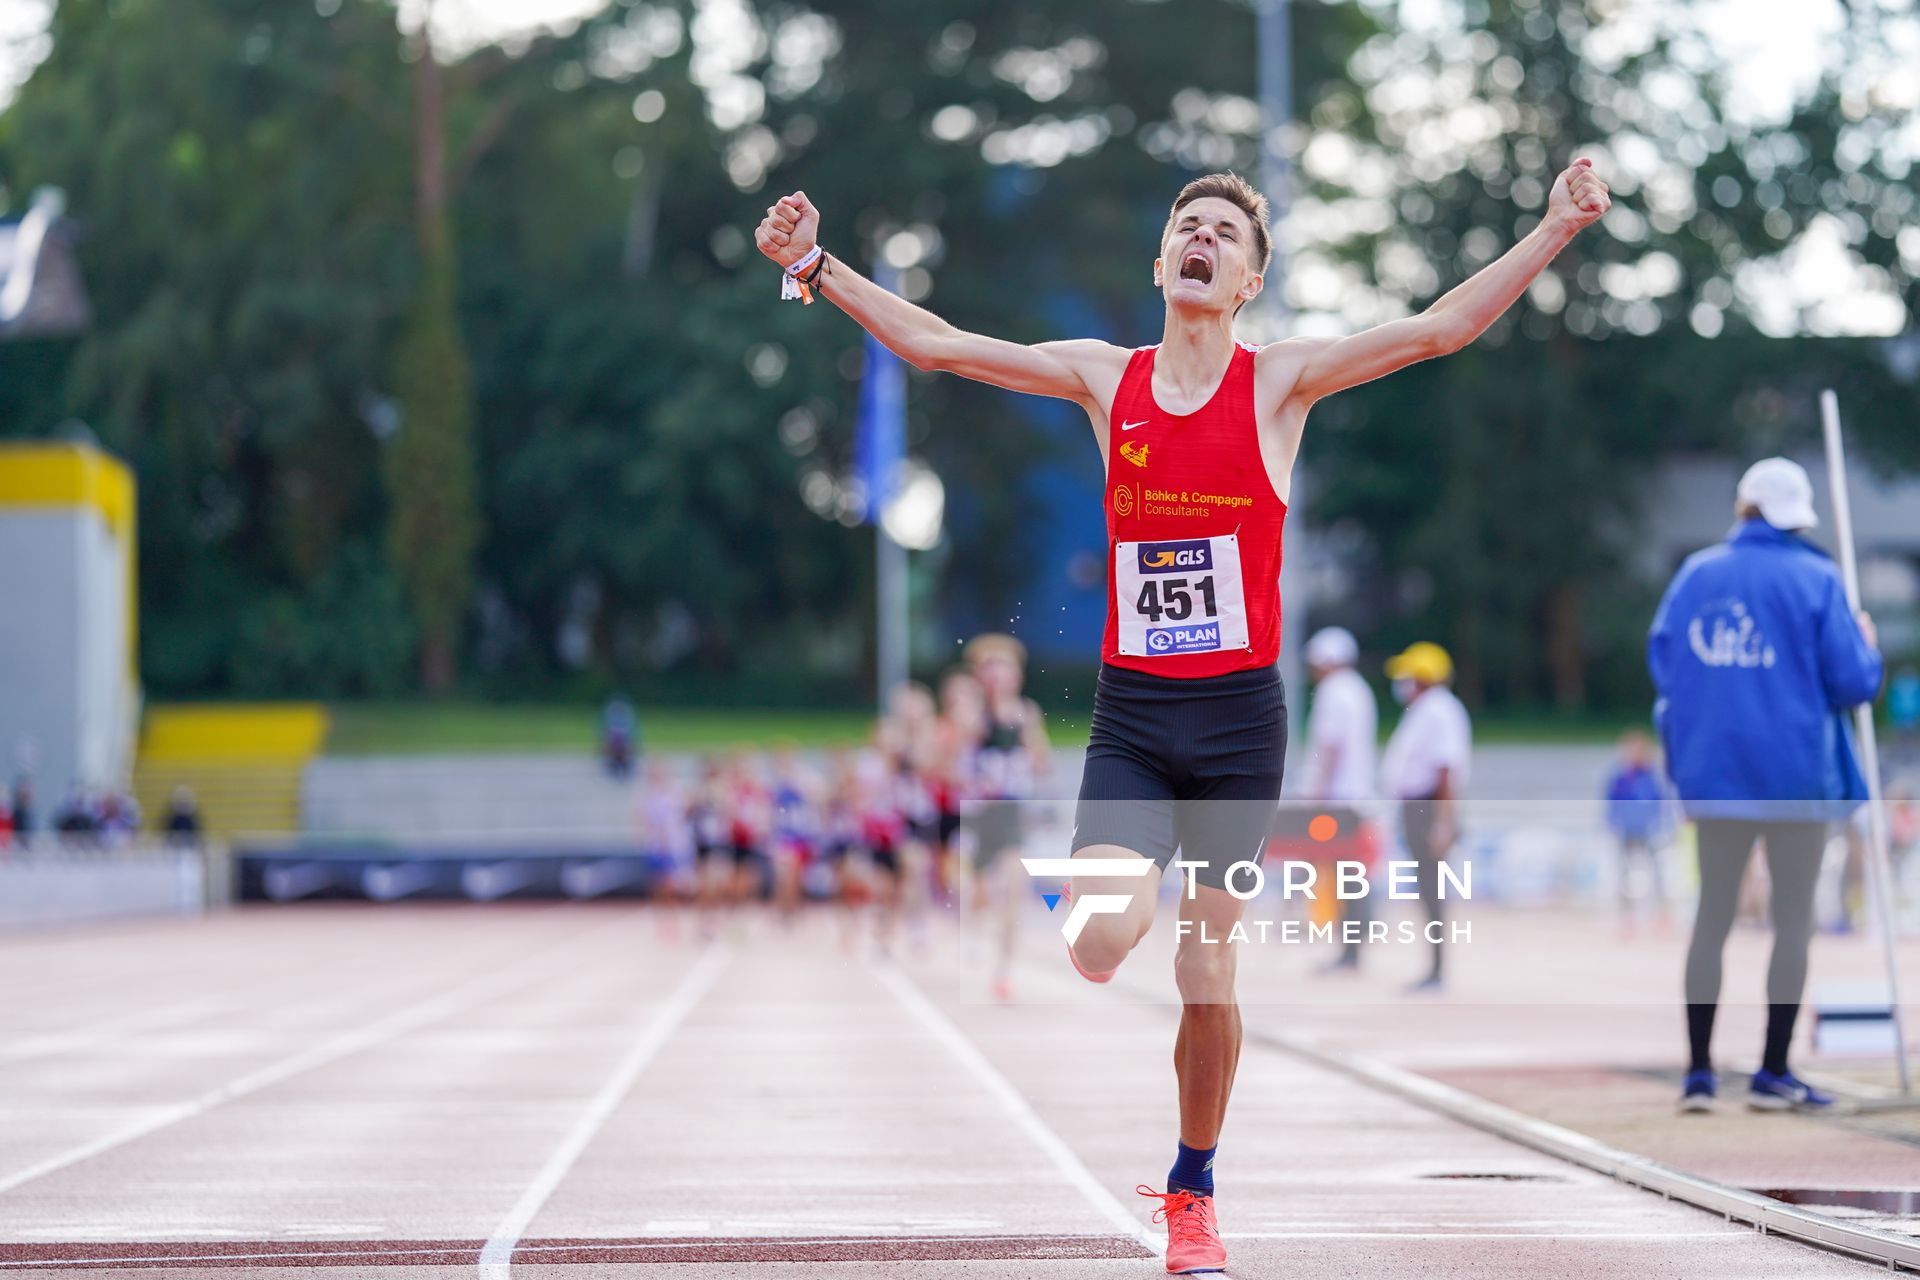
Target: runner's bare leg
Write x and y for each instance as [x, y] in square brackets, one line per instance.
[1207, 1051]
[1107, 939]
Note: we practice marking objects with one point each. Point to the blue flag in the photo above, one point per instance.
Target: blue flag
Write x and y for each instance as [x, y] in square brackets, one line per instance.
[880, 437]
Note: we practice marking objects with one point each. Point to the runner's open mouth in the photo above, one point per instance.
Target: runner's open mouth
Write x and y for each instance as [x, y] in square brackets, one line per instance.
[1196, 267]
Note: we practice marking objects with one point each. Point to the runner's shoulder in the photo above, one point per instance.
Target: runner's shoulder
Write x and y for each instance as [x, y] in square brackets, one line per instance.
[1090, 355]
[1280, 364]
[1098, 364]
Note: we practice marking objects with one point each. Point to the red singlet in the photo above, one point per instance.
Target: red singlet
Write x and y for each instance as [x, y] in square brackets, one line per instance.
[1193, 531]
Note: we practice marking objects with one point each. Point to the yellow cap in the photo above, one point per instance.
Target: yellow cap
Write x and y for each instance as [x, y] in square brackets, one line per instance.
[1426, 662]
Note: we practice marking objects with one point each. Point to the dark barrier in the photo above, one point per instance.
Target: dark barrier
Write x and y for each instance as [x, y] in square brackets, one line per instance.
[385, 873]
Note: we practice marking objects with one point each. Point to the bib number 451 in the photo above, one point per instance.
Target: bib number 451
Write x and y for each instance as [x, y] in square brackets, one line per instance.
[1171, 600]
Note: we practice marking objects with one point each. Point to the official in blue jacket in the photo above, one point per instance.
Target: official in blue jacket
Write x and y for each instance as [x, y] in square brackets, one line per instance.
[1757, 658]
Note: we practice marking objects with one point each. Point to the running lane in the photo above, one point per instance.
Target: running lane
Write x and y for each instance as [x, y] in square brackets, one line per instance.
[567, 1093]
[395, 1076]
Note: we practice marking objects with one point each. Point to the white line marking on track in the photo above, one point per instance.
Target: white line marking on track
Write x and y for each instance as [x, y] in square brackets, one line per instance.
[458, 1000]
[496, 1258]
[1016, 1106]
[1487, 1235]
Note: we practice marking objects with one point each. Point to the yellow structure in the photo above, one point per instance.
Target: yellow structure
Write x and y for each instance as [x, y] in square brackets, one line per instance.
[69, 662]
[244, 762]
[69, 669]
[36, 474]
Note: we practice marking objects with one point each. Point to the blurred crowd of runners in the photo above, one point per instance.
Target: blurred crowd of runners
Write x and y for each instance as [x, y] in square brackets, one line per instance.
[929, 812]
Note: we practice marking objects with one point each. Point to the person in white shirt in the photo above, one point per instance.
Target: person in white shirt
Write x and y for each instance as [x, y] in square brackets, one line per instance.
[1425, 771]
[1342, 743]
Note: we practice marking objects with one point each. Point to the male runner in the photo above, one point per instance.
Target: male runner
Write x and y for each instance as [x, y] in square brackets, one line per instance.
[1199, 434]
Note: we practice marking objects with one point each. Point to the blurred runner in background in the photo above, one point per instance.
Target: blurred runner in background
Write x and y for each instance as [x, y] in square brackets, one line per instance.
[908, 738]
[882, 829]
[707, 817]
[840, 845]
[749, 809]
[664, 816]
[794, 839]
[1009, 758]
[962, 721]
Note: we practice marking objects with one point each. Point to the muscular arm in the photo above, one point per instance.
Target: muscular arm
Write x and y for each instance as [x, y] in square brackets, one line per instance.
[1071, 370]
[1464, 313]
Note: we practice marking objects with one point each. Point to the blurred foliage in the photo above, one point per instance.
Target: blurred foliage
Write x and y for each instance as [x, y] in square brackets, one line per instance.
[1499, 490]
[241, 245]
[589, 447]
[430, 468]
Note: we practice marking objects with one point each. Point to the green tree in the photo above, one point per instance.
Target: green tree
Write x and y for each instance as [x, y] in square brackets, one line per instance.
[475, 350]
[239, 242]
[1499, 489]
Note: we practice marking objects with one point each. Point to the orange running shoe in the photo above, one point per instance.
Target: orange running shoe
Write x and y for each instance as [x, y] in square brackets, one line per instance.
[1193, 1237]
[1066, 896]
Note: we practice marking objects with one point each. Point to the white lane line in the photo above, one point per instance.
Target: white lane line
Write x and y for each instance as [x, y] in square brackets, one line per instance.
[457, 1000]
[496, 1258]
[1487, 1235]
[1010, 1099]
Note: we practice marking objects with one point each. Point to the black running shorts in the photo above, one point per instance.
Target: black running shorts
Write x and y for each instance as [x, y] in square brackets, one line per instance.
[1186, 765]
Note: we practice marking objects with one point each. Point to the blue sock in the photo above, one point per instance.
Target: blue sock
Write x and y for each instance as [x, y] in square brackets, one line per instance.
[1192, 1170]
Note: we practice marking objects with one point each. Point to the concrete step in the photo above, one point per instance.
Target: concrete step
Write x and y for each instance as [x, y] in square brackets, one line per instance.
[465, 795]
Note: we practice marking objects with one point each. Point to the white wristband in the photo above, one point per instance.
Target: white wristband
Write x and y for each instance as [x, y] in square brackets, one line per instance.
[791, 289]
[799, 268]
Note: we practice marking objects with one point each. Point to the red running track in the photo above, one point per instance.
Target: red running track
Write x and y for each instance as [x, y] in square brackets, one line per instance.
[514, 1090]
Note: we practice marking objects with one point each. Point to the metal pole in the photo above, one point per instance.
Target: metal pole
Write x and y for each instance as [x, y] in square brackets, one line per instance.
[1276, 110]
[890, 602]
[1879, 875]
[1276, 107]
[890, 558]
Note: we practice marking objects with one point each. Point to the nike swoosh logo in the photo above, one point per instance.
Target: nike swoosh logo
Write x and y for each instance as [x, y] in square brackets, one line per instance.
[1128, 426]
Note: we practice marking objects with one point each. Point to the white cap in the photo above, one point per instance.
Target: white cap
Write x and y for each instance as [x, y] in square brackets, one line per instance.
[1781, 492]
[1333, 647]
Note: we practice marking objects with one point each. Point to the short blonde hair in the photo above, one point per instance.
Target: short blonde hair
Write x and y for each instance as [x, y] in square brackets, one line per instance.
[994, 644]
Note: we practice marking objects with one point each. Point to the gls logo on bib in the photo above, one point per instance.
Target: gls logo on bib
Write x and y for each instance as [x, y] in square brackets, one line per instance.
[1192, 555]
